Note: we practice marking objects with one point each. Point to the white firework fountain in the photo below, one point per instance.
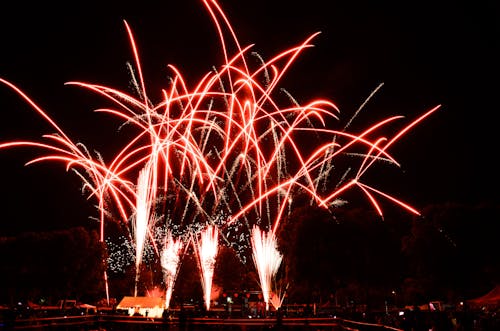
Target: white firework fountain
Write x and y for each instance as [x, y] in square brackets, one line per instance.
[267, 259]
[170, 258]
[207, 248]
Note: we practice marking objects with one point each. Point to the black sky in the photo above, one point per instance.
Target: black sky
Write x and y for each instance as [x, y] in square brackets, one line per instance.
[425, 52]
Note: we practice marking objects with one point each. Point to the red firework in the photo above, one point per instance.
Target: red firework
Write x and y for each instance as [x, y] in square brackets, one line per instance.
[223, 152]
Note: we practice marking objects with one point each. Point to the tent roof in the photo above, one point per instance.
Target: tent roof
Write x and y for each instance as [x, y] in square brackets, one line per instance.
[86, 305]
[492, 297]
[141, 302]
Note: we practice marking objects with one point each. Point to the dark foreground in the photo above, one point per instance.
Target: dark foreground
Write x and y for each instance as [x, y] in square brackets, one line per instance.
[441, 321]
[126, 323]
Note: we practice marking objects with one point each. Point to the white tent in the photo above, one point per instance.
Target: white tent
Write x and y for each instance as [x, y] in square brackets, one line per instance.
[146, 306]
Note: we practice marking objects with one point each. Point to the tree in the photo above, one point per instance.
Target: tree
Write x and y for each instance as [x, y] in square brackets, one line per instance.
[451, 252]
[351, 255]
[53, 265]
[231, 274]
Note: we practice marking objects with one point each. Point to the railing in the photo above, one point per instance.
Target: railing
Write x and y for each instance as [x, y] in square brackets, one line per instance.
[133, 323]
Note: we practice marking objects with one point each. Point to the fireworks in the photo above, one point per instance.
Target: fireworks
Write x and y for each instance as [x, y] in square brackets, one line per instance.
[142, 218]
[223, 153]
[206, 249]
[267, 258]
[170, 259]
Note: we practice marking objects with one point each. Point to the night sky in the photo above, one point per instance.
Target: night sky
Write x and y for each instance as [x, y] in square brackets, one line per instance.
[425, 53]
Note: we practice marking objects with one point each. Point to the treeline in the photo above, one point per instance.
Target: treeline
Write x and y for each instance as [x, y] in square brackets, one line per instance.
[342, 257]
[450, 253]
[52, 265]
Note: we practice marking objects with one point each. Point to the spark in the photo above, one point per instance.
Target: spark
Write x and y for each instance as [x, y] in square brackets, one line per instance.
[267, 260]
[207, 247]
[170, 259]
[142, 218]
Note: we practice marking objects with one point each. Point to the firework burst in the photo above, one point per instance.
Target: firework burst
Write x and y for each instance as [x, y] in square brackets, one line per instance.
[224, 153]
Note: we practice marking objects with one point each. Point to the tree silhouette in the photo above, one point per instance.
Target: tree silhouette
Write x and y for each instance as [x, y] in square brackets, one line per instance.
[53, 265]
